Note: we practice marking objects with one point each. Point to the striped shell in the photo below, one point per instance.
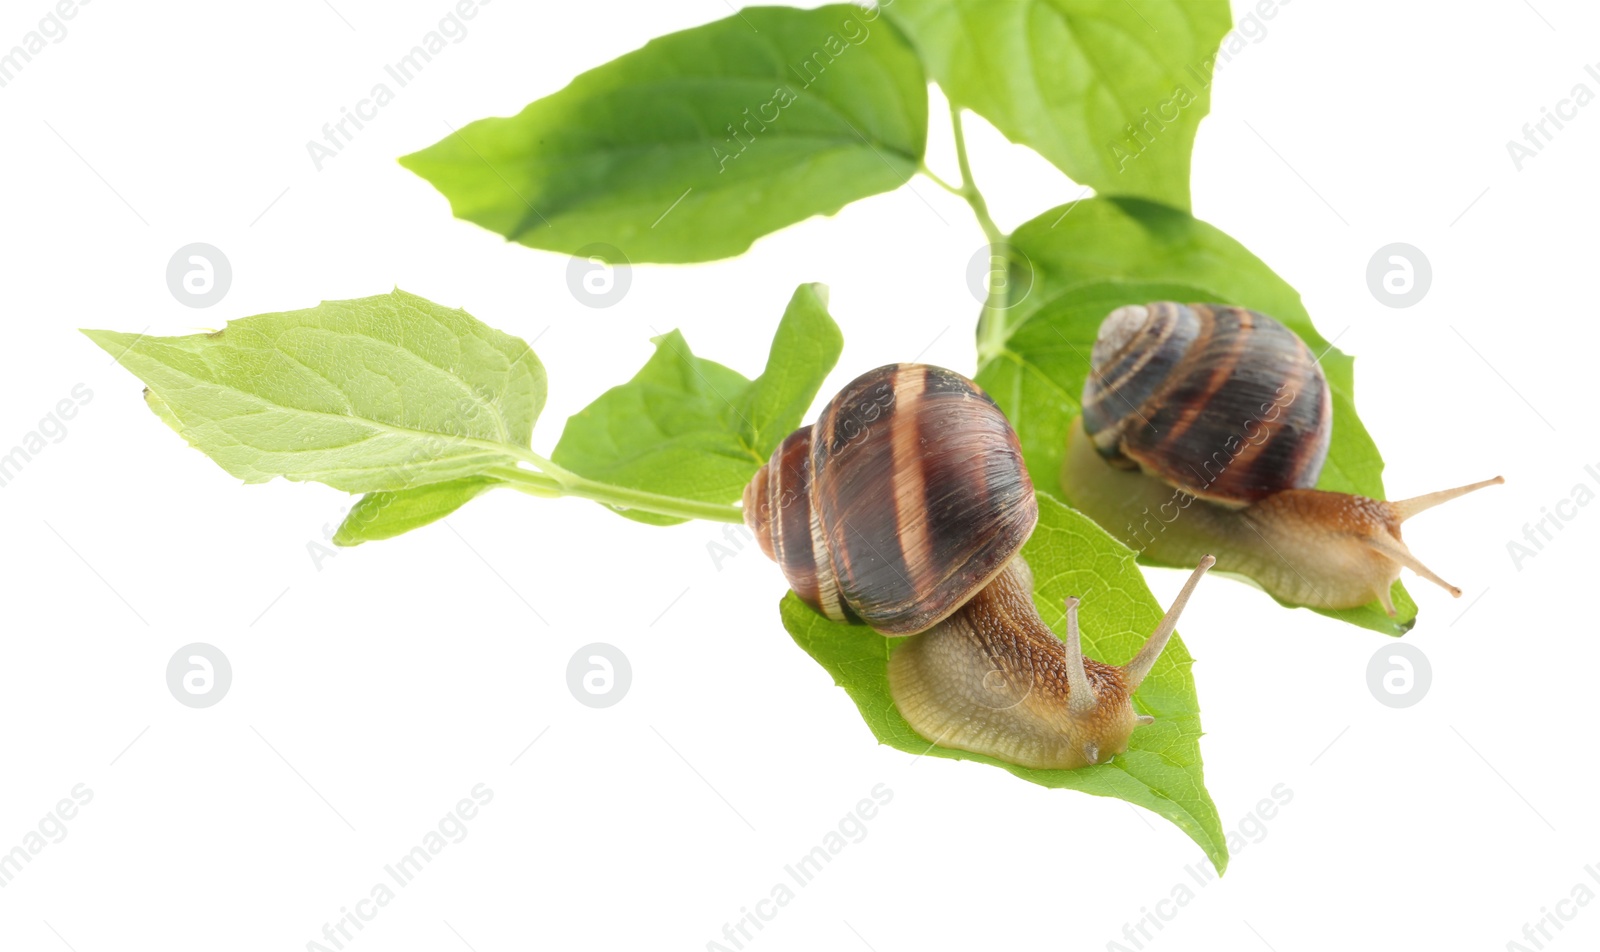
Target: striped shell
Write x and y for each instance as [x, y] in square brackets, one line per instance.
[903, 500]
[1224, 403]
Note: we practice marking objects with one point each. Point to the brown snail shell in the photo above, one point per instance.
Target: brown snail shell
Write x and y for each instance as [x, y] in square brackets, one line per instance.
[1176, 389]
[899, 504]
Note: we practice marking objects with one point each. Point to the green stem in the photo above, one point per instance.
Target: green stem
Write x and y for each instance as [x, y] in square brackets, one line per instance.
[534, 484]
[969, 188]
[952, 189]
[992, 330]
[556, 481]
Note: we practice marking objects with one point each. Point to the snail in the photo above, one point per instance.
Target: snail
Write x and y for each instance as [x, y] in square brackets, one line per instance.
[905, 508]
[1215, 421]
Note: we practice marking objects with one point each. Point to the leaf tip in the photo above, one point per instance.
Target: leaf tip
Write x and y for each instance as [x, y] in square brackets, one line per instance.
[115, 343]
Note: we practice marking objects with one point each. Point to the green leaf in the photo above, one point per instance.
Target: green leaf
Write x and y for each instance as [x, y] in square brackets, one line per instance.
[693, 429]
[1069, 555]
[700, 142]
[1110, 91]
[384, 515]
[378, 393]
[1373, 616]
[1137, 241]
[1081, 261]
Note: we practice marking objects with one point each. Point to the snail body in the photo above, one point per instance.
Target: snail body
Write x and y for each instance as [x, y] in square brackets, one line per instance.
[1037, 701]
[905, 507]
[1204, 429]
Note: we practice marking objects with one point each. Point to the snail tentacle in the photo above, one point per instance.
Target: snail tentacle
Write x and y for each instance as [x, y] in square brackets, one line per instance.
[1140, 666]
[1081, 701]
[1406, 508]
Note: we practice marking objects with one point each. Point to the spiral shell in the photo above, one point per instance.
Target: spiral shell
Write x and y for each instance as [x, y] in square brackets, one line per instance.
[1224, 403]
[903, 500]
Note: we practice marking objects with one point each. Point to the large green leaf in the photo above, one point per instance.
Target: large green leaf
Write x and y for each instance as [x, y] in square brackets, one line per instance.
[700, 142]
[1090, 257]
[1069, 555]
[1110, 91]
[693, 429]
[378, 393]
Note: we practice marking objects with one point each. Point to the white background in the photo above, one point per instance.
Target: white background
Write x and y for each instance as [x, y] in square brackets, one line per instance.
[374, 690]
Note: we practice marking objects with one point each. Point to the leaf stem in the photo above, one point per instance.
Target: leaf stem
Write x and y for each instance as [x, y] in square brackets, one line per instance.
[952, 189]
[534, 484]
[969, 187]
[992, 330]
[555, 481]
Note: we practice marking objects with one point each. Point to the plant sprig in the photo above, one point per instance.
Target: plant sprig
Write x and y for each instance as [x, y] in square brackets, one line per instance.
[788, 114]
[424, 407]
